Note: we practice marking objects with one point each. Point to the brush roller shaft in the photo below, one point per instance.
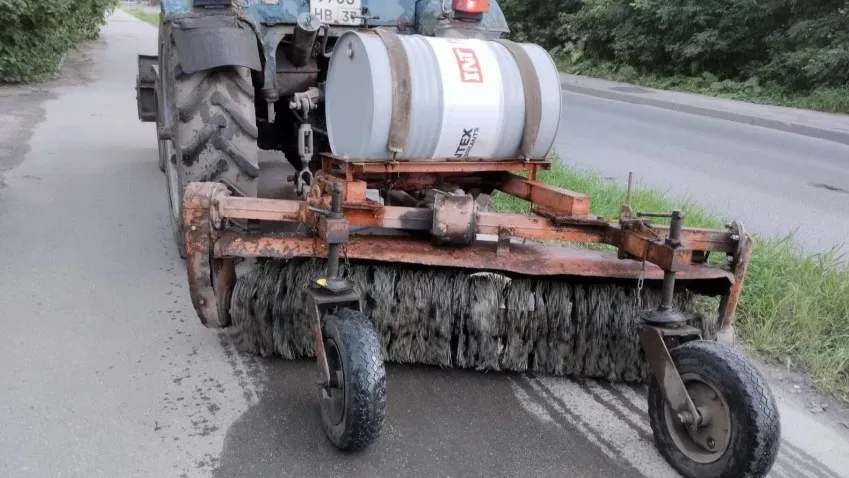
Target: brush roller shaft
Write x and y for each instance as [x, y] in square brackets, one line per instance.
[467, 98]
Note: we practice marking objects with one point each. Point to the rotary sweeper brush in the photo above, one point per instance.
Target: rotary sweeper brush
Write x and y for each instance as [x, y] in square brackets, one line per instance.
[382, 246]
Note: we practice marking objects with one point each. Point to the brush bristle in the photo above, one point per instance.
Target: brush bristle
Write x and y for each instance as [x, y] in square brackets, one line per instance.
[458, 318]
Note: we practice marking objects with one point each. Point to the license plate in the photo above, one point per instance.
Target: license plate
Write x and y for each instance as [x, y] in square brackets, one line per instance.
[337, 12]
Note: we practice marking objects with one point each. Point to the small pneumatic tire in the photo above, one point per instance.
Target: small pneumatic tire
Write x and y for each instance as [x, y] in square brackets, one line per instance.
[354, 408]
[746, 431]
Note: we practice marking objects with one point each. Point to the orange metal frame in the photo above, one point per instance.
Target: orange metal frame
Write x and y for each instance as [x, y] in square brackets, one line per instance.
[557, 215]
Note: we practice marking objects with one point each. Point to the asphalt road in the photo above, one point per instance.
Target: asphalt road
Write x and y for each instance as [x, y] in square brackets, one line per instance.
[776, 183]
[107, 371]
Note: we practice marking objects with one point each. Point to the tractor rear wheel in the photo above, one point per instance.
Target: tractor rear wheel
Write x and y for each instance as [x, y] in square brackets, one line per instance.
[214, 133]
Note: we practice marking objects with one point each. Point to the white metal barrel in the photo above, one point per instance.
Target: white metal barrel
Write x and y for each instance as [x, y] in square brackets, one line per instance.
[467, 99]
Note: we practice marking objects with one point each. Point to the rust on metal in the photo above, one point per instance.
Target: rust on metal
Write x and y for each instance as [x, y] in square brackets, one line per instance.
[447, 166]
[527, 259]
[353, 191]
[504, 239]
[554, 199]
[333, 231]
[225, 280]
[450, 167]
[666, 374]
[199, 239]
[319, 301]
[453, 219]
[521, 225]
[728, 306]
[393, 217]
[539, 228]
[674, 259]
[317, 336]
[645, 250]
[259, 209]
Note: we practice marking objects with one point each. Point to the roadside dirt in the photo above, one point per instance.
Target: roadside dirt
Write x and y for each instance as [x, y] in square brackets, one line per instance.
[21, 105]
[797, 388]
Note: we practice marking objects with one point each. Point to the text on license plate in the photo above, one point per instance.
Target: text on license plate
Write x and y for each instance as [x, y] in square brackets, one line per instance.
[337, 12]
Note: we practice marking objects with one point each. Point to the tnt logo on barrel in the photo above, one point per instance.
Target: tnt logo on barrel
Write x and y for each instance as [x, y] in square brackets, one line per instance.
[470, 67]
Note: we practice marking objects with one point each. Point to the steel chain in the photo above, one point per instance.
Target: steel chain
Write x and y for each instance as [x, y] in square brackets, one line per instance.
[638, 298]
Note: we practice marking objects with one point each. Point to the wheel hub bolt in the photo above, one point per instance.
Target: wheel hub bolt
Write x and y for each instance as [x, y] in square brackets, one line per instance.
[710, 443]
[685, 417]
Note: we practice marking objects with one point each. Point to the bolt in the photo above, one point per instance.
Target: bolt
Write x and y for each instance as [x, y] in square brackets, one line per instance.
[194, 228]
[735, 237]
[685, 417]
[202, 301]
[710, 443]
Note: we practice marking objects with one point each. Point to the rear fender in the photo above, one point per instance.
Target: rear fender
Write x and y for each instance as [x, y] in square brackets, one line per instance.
[210, 41]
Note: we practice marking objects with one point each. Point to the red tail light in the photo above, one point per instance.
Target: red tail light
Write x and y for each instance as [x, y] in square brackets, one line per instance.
[471, 6]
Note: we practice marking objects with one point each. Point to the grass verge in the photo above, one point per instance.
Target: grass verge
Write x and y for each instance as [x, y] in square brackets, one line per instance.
[794, 308]
[149, 17]
[828, 100]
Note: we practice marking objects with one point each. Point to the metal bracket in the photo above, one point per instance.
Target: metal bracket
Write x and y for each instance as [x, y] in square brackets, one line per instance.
[664, 371]
[210, 279]
[319, 301]
[454, 219]
[331, 291]
[146, 87]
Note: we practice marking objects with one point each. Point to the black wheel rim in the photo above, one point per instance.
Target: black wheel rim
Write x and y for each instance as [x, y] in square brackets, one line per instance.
[333, 396]
[711, 440]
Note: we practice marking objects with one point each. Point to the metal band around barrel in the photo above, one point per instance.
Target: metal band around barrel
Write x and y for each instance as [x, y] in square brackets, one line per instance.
[533, 96]
[402, 86]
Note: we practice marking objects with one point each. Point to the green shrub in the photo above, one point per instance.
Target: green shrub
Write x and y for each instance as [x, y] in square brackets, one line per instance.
[36, 34]
[792, 45]
[537, 21]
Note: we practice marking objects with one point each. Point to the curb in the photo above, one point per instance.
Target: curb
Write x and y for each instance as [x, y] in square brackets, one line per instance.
[788, 127]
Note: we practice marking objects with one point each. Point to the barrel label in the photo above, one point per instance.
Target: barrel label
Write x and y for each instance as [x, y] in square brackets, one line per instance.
[470, 67]
[467, 142]
[472, 96]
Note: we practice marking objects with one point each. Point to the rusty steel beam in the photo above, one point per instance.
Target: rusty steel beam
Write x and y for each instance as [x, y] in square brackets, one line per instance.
[539, 228]
[448, 166]
[556, 200]
[529, 259]
[674, 259]
[279, 210]
[518, 225]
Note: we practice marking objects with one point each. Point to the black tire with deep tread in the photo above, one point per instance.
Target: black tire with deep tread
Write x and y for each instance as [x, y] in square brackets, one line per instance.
[755, 423]
[215, 133]
[365, 381]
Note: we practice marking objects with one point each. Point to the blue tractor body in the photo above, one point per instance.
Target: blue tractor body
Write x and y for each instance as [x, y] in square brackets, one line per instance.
[412, 16]
[237, 77]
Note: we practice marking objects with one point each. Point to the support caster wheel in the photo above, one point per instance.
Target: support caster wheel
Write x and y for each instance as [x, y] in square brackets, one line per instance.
[353, 406]
[739, 431]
